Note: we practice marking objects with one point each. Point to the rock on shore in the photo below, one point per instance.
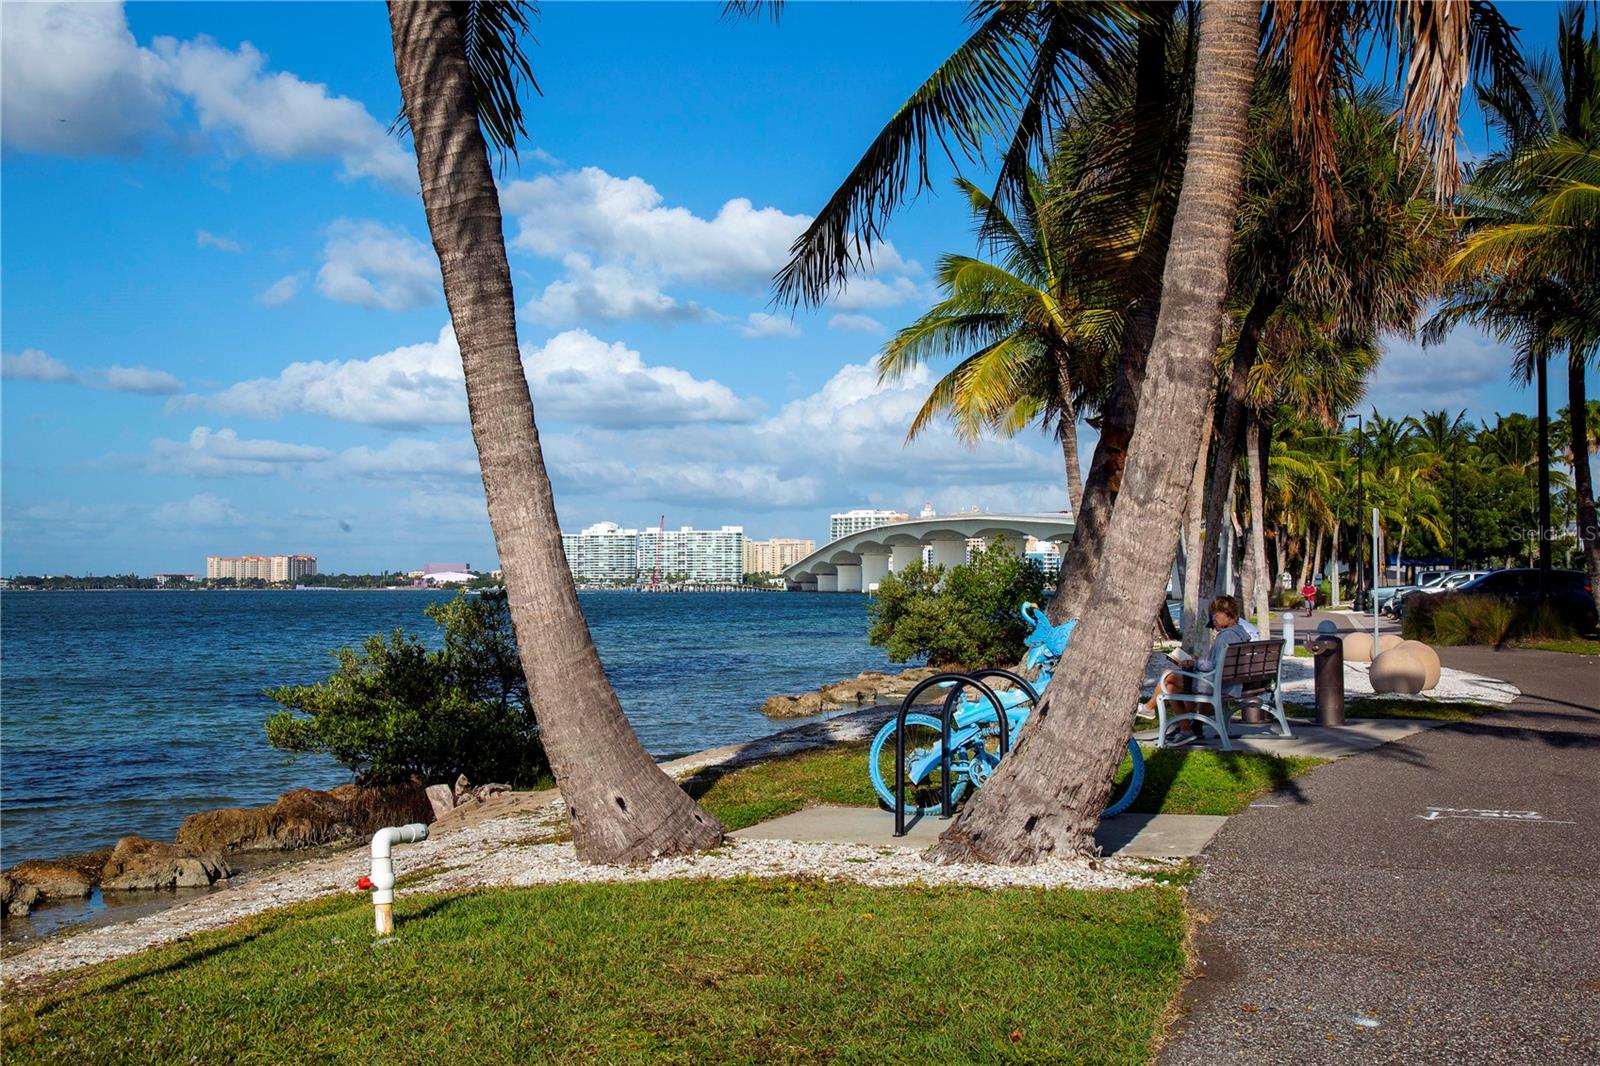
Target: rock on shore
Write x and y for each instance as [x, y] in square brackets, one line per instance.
[307, 817]
[137, 864]
[869, 686]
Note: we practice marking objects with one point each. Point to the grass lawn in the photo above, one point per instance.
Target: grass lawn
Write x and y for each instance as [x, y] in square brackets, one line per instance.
[1575, 646]
[1177, 781]
[1429, 710]
[670, 972]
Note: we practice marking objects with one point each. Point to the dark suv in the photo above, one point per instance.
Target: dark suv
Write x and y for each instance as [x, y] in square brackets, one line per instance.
[1569, 591]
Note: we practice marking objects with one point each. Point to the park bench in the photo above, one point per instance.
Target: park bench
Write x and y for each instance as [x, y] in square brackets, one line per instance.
[1253, 667]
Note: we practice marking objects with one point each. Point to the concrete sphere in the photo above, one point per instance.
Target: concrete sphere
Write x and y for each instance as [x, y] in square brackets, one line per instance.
[1358, 647]
[1399, 670]
[1430, 659]
[1389, 642]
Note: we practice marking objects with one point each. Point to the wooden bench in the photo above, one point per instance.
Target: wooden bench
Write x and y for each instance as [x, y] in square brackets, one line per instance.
[1253, 668]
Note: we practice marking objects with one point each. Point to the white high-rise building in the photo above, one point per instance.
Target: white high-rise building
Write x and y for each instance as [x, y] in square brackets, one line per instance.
[696, 554]
[603, 552]
[860, 520]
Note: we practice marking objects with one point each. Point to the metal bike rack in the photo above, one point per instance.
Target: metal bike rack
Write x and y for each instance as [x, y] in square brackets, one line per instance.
[946, 717]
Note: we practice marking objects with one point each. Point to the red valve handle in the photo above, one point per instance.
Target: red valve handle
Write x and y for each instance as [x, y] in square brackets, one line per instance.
[365, 883]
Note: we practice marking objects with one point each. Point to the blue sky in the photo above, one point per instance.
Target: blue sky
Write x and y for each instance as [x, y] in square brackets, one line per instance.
[223, 331]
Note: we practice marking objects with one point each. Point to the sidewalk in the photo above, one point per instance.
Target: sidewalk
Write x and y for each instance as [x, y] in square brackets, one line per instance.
[1436, 900]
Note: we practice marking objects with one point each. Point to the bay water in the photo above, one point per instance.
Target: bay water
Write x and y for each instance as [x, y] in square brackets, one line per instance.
[122, 712]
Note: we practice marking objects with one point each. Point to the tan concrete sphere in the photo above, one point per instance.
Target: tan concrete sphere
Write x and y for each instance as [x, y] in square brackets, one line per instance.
[1429, 657]
[1389, 641]
[1400, 670]
[1358, 647]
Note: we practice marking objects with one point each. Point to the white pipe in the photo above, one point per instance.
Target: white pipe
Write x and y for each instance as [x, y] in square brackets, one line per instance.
[383, 870]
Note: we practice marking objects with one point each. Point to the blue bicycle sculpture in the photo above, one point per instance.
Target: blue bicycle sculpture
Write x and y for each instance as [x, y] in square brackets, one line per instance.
[977, 731]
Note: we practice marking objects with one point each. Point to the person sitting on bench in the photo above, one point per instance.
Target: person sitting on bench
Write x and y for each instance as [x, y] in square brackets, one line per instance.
[1231, 629]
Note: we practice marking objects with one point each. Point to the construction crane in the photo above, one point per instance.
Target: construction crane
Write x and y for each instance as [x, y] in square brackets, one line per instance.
[661, 536]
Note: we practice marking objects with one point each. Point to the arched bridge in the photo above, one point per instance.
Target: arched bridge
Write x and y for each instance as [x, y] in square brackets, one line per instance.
[859, 561]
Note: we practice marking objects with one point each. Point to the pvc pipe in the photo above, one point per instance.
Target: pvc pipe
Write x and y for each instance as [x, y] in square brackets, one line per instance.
[1288, 633]
[383, 870]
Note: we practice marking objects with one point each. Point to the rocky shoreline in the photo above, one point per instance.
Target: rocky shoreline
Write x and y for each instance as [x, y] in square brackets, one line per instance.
[305, 818]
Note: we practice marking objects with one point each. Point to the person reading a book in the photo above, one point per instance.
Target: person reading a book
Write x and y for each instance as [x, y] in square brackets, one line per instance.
[1231, 629]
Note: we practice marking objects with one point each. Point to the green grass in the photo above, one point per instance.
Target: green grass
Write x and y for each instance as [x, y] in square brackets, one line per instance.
[1190, 781]
[670, 972]
[1177, 781]
[1428, 710]
[1575, 646]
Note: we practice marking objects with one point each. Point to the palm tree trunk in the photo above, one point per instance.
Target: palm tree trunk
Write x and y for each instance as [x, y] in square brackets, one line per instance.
[1068, 430]
[1542, 364]
[1047, 795]
[621, 806]
[1194, 620]
[1333, 568]
[1091, 513]
[1231, 431]
[1582, 483]
[1258, 519]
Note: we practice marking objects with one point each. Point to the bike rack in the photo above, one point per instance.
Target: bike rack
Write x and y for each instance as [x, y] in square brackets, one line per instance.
[946, 718]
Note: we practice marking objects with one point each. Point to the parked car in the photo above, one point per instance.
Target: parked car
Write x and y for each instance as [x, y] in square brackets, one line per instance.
[1388, 595]
[1569, 593]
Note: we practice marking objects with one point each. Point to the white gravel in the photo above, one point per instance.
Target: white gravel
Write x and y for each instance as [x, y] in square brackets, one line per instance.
[1299, 683]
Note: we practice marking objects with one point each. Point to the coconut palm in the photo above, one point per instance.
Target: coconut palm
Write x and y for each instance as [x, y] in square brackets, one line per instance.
[1034, 331]
[1440, 439]
[461, 68]
[1531, 268]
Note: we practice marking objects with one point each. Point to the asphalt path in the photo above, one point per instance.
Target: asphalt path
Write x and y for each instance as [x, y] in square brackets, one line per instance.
[1436, 900]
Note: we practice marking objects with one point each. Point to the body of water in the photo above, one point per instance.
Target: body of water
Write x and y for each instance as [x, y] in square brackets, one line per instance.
[125, 711]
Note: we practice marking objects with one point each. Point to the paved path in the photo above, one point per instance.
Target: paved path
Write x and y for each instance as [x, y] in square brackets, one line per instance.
[1393, 912]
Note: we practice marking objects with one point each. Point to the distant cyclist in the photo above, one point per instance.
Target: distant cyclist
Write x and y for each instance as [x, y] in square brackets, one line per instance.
[1309, 594]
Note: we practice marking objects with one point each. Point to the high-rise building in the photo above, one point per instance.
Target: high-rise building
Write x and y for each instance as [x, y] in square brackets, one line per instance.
[276, 569]
[775, 555]
[603, 552]
[861, 520]
[696, 554]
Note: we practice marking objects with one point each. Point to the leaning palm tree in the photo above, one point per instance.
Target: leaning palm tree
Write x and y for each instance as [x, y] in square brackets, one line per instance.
[460, 69]
[1047, 797]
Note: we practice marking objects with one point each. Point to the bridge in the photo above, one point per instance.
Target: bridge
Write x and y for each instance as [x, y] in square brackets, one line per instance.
[857, 562]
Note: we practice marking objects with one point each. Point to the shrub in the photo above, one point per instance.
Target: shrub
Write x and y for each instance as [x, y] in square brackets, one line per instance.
[967, 615]
[394, 709]
[1450, 618]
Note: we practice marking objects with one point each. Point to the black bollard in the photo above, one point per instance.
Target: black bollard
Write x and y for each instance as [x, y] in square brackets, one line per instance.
[1327, 652]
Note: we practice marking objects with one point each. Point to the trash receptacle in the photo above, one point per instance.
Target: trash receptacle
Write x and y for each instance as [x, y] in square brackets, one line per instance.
[1327, 654]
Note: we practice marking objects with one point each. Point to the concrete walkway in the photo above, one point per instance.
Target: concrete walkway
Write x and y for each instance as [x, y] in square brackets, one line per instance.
[1148, 836]
[1435, 901]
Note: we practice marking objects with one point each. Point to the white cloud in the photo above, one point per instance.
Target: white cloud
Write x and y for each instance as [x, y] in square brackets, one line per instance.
[411, 458]
[1449, 375]
[762, 324]
[581, 378]
[419, 384]
[76, 82]
[574, 376]
[858, 323]
[201, 509]
[625, 220]
[33, 365]
[140, 379]
[448, 508]
[223, 453]
[207, 239]
[281, 291]
[374, 265]
[606, 292]
[866, 292]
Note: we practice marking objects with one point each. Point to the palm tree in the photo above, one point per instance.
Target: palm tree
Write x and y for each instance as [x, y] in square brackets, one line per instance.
[1531, 269]
[1035, 338]
[460, 68]
[1440, 438]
